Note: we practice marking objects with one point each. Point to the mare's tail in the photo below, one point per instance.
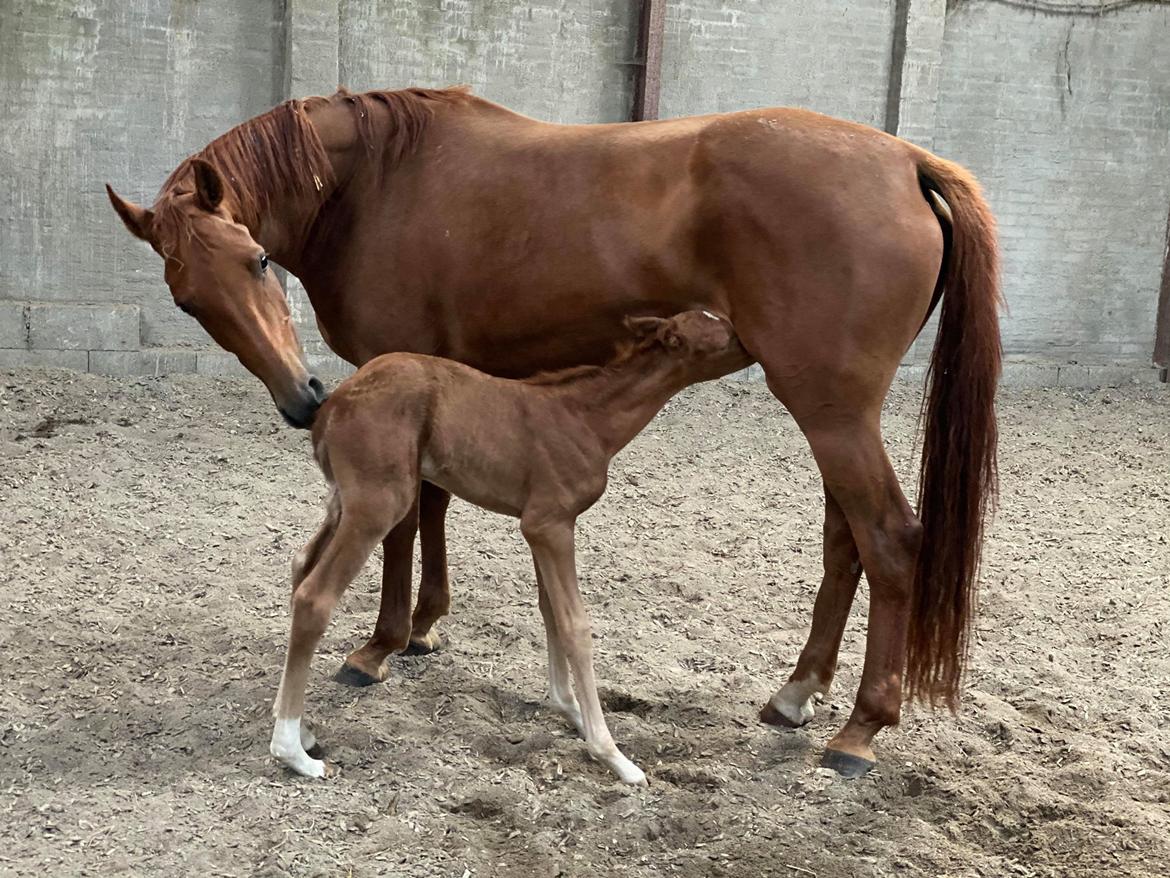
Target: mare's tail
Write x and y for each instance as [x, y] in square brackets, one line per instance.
[958, 477]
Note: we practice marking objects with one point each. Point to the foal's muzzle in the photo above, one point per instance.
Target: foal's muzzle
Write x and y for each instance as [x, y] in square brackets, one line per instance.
[299, 413]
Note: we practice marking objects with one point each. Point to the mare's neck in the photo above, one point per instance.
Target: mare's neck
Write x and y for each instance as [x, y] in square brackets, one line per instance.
[618, 401]
[291, 224]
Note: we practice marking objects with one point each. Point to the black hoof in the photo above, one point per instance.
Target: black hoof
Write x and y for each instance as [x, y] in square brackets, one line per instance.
[414, 648]
[316, 751]
[846, 764]
[348, 675]
[773, 717]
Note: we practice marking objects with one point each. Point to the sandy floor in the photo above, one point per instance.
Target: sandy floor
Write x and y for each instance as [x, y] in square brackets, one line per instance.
[147, 529]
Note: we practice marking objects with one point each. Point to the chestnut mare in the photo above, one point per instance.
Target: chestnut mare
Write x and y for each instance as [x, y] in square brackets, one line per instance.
[537, 449]
[440, 223]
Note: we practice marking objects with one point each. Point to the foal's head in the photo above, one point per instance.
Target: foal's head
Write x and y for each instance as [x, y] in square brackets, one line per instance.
[704, 343]
[219, 275]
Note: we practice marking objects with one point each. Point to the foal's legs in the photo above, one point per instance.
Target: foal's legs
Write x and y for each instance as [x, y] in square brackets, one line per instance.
[792, 706]
[306, 559]
[552, 549]
[560, 690]
[858, 474]
[302, 565]
[434, 590]
[367, 665]
[363, 523]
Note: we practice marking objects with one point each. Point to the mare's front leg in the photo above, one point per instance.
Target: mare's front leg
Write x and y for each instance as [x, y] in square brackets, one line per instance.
[792, 706]
[434, 590]
[552, 548]
[368, 665]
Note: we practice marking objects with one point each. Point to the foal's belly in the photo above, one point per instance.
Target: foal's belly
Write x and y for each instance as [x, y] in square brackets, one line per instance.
[492, 494]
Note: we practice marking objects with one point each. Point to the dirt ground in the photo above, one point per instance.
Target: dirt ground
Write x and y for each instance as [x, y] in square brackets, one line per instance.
[146, 534]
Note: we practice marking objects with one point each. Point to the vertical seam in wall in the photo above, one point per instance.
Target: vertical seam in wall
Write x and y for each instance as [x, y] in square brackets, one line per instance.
[282, 85]
[1162, 321]
[340, 22]
[897, 61]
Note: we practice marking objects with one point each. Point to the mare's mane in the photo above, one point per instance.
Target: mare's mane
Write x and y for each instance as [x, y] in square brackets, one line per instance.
[279, 153]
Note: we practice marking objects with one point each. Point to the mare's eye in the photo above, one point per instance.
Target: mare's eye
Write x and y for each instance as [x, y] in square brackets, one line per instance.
[263, 262]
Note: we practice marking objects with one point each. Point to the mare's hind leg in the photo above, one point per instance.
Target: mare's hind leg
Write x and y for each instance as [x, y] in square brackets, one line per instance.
[368, 665]
[364, 521]
[792, 706]
[858, 474]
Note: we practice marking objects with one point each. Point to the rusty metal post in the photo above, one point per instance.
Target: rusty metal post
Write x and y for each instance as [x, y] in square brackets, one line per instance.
[648, 80]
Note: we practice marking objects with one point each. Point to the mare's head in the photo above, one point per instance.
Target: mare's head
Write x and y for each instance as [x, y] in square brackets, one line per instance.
[219, 275]
[704, 344]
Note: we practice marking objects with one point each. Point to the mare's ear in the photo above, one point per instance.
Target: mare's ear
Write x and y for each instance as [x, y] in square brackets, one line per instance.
[644, 327]
[137, 219]
[208, 185]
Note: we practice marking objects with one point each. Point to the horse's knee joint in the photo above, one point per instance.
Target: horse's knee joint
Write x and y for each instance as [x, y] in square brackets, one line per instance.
[310, 612]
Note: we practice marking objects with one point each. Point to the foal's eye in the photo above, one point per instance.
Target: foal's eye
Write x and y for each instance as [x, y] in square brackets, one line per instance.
[263, 262]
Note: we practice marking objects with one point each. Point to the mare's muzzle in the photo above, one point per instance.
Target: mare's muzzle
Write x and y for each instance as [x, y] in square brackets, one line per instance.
[300, 411]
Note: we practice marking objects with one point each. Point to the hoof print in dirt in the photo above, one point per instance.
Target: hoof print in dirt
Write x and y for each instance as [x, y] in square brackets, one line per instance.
[620, 702]
[316, 751]
[348, 675]
[847, 765]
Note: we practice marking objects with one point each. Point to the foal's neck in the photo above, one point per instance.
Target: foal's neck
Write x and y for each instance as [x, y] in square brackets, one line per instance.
[618, 401]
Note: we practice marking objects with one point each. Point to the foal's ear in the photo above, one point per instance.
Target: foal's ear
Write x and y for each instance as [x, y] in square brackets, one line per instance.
[137, 219]
[208, 185]
[644, 327]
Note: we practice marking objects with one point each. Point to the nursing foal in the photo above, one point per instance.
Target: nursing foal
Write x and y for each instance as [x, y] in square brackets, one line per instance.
[537, 449]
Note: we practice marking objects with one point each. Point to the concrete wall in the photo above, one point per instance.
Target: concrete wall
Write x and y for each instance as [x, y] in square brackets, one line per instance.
[830, 57]
[1065, 118]
[1066, 121]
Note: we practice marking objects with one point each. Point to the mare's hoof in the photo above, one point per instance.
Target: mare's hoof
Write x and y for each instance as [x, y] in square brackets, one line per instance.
[432, 641]
[846, 764]
[773, 717]
[348, 675]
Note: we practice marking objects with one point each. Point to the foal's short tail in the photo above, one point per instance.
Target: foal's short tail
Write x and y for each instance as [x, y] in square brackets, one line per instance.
[958, 478]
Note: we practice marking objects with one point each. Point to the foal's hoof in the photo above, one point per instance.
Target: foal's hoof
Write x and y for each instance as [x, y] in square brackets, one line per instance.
[425, 644]
[773, 717]
[846, 764]
[348, 675]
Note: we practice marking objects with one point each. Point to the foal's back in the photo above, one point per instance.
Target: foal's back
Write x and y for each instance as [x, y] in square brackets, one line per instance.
[488, 440]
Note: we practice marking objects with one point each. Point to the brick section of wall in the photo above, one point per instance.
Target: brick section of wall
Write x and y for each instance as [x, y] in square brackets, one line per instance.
[144, 362]
[1066, 121]
[24, 358]
[13, 325]
[58, 326]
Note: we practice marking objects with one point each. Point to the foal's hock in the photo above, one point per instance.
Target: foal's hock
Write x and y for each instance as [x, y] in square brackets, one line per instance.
[537, 449]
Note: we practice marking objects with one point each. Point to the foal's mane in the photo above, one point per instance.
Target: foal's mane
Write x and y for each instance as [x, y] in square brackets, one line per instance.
[279, 153]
